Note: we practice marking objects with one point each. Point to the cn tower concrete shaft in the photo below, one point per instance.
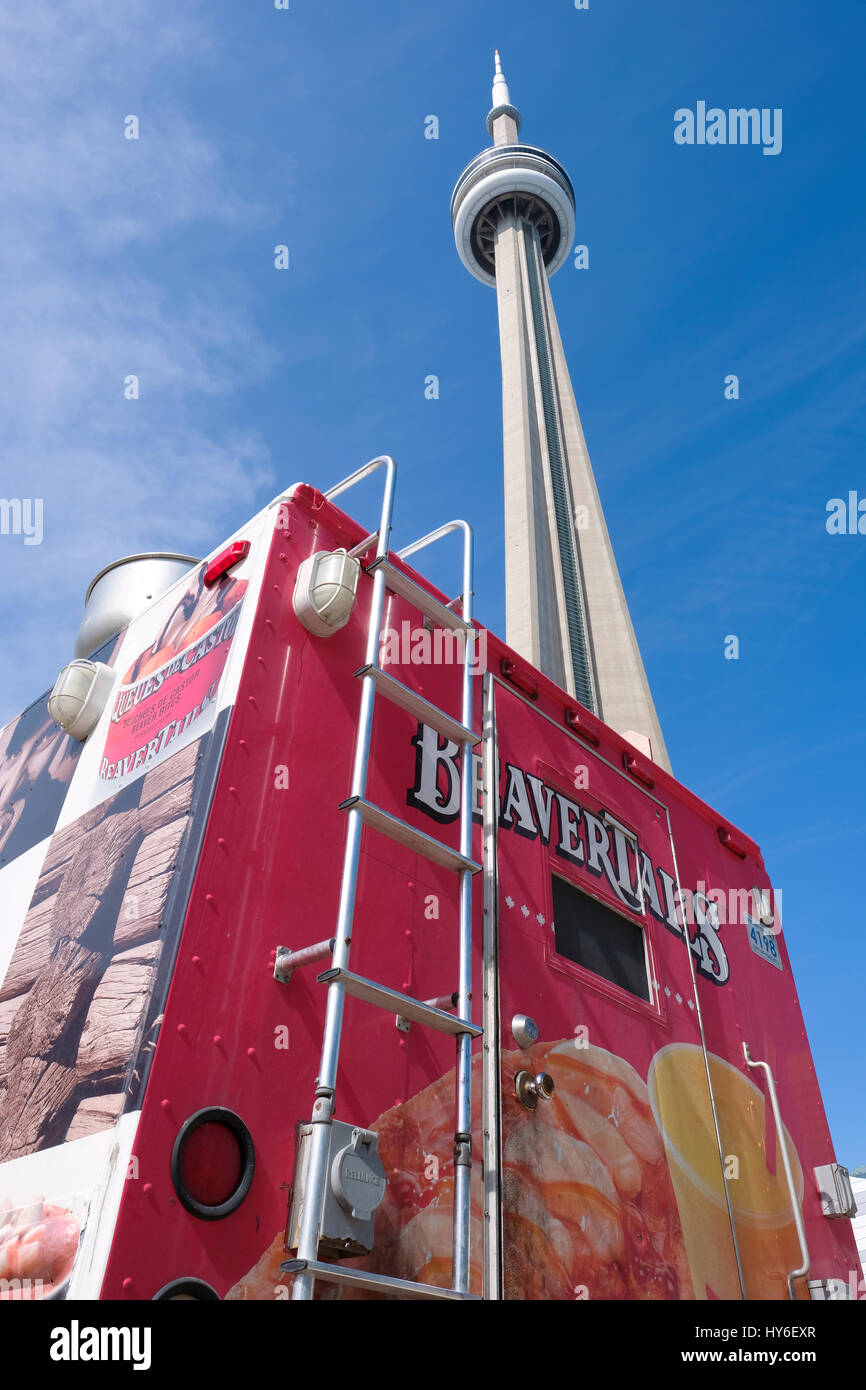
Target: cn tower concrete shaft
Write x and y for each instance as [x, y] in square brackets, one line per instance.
[566, 612]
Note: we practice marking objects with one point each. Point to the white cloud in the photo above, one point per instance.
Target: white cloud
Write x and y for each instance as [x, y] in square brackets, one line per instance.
[95, 231]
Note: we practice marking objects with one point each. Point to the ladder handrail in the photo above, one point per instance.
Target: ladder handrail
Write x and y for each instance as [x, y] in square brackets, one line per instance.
[383, 535]
[463, 1130]
[468, 557]
[323, 1106]
[317, 1175]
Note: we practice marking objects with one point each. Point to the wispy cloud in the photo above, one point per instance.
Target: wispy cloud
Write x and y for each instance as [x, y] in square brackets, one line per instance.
[98, 239]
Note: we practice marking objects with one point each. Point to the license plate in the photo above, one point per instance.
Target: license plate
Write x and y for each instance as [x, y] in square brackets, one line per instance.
[764, 943]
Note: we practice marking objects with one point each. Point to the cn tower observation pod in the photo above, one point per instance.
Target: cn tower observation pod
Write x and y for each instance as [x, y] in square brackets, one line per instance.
[523, 181]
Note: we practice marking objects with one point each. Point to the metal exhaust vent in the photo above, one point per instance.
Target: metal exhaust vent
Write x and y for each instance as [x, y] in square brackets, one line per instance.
[123, 590]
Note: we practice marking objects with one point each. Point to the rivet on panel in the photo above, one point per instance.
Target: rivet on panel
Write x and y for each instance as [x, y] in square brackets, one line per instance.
[181, 1028]
[127, 1284]
[147, 1189]
[251, 1052]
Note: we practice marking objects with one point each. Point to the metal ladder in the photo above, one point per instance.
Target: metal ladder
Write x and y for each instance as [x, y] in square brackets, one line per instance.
[307, 1267]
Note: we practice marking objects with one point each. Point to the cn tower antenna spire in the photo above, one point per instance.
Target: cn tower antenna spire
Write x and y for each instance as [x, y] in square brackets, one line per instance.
[565, 609]
[501, 94]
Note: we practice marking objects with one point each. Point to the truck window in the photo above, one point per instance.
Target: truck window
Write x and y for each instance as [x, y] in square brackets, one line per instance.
[592, 935]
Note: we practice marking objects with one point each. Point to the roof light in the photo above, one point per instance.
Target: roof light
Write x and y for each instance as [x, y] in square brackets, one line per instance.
[325, 591]
[226, 560]
[79, 696]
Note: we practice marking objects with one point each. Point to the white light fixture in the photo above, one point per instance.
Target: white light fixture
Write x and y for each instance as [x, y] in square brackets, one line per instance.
[79, 696]
[763, 907]
[325, 591]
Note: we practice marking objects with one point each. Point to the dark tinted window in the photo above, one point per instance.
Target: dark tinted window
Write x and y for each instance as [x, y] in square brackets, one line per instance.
[593, 936]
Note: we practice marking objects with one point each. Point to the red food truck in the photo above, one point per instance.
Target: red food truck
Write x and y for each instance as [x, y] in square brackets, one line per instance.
[343, 955]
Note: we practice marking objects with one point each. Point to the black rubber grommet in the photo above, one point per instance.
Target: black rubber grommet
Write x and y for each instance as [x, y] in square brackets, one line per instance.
[214, 1114]
[187, 1288]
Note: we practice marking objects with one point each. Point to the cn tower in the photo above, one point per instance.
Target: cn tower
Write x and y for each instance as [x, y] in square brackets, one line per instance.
[513, 217]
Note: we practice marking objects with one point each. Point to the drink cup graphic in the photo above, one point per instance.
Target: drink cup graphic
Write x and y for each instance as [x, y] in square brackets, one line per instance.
[760, 1200]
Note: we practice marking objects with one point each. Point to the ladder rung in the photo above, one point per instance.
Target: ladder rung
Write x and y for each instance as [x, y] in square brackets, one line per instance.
[383, 1283]
[407, 835]
[436, 718]
[396, 1003]
[401, 584]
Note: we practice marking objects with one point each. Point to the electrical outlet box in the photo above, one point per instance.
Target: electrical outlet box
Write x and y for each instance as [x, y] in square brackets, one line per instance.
[355, 1188]
[834, 1189]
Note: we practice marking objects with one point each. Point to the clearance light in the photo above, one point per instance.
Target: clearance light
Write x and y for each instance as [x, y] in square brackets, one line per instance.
[325, 591]
[511, 671]
[575, 721]
[79, 696]
[638, 769]
[730, 843]
[226, 560]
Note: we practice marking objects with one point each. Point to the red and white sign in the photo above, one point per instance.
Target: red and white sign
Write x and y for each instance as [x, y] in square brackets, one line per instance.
[150, 715]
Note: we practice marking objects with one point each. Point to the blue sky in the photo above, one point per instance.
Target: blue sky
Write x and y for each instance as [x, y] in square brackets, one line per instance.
[306, 127]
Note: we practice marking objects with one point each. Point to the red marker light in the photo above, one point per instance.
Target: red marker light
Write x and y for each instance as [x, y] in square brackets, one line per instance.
[730, 843]
[510, 670]
[574, 720]
[638, 770]
[226, 560]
